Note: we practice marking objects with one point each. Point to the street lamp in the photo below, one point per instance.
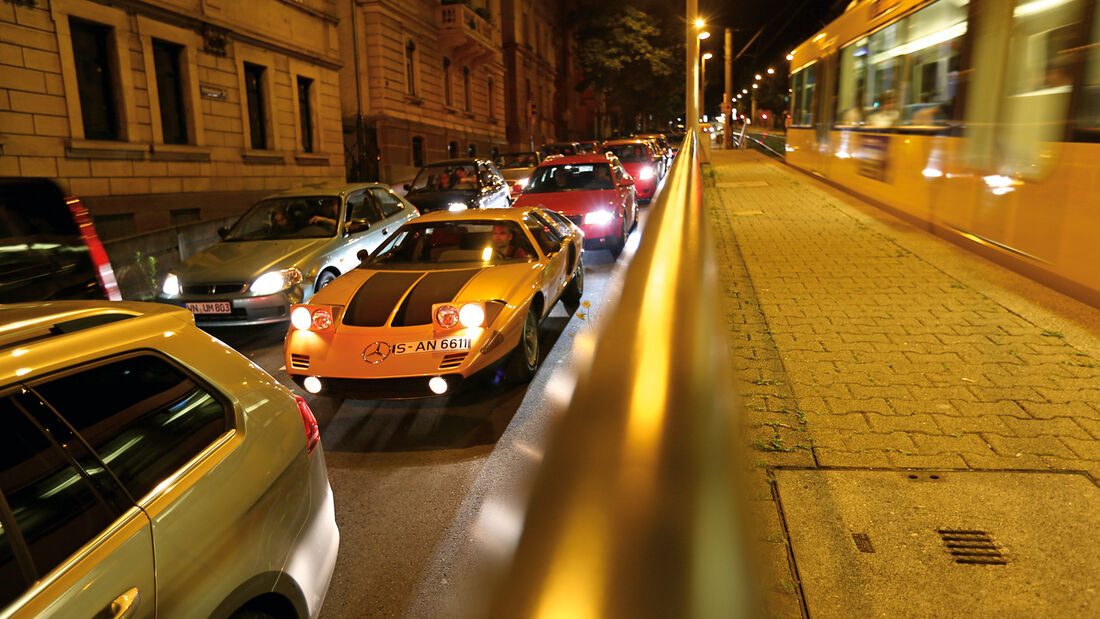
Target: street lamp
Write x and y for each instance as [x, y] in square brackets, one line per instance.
[759, 77]
[771, 71]
[703, 81]
[704, 35]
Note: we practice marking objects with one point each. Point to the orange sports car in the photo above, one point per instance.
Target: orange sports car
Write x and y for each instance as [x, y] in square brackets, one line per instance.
[449, 296]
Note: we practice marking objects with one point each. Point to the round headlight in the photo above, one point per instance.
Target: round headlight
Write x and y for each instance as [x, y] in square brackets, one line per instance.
[171, 285]
[471, 315]
[300, 318]
[322, 318]
[446, 316]
[268, 283]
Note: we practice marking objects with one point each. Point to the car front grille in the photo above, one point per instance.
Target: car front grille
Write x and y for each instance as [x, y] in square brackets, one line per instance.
[299, 362]
[214, 288]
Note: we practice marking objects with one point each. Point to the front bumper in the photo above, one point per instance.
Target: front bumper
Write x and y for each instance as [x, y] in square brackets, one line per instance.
[245, 311]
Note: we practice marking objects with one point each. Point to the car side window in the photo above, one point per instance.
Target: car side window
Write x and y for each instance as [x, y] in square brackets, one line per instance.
[389, 203]
[145, 417]
[362, 207]
[50, 508]
[547, 238]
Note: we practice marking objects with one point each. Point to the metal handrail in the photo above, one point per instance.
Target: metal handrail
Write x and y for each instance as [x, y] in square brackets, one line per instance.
[635, 511]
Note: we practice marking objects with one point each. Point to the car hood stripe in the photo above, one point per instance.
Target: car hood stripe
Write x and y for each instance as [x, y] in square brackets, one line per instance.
[373, 302]
[434, 287]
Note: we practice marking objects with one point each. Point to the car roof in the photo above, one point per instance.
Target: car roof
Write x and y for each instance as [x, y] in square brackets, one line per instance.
[575, 159]
[626, 141]
[325, 189]
[45, 335]
[502, 214]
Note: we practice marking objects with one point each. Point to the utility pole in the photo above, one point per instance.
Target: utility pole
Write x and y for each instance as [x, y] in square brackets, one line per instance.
[692, 65]
[727, 98]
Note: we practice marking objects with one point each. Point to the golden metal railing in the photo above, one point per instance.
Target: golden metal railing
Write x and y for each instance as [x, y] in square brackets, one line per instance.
[636, 508]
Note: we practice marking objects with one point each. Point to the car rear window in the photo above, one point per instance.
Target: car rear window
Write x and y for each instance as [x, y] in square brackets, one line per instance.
[142, 415]
[571, 177]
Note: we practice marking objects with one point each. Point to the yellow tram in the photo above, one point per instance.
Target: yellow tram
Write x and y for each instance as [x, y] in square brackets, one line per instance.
[978, 119]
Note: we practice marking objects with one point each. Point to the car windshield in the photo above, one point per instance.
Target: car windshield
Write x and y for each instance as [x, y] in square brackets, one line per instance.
[571, 177]
[299, 217]
[445, 178]
[629, 153]
[491, 242]
[558, 149]
[517, 160]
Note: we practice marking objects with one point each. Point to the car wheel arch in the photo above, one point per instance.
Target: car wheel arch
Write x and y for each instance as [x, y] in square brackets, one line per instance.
[321, 273]
[274, 590]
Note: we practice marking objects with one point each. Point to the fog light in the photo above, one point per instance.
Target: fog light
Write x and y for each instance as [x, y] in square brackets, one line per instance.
[312, 384]
[438, 385]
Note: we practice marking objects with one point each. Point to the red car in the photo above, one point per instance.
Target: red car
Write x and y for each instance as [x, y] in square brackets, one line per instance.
[640, 160]
[593, 191]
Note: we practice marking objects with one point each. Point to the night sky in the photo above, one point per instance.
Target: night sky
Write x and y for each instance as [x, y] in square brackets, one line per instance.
[783, 24]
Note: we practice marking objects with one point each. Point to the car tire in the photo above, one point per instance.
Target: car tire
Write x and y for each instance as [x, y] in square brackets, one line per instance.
[525, 358]
[616, 246]
[571, 296]
[324, 279]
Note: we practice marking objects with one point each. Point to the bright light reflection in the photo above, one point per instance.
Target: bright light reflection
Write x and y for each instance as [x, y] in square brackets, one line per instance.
[1038, 6]
[486, 254]
[931, 172]
[1000, 191]
[998, 180]
[19, 352]
[22, 371]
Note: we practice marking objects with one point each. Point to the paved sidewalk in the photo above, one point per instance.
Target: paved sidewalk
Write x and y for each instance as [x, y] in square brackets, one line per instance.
[861, 341]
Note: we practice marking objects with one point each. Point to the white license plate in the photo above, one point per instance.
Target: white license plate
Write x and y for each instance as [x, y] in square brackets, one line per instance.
[447, 344]
[212, 307]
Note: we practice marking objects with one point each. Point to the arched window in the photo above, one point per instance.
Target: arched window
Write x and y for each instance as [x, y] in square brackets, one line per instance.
[410, 67]
[448, 95]
[471, 150]
[452, 150]
[418, 151]
[466, 86]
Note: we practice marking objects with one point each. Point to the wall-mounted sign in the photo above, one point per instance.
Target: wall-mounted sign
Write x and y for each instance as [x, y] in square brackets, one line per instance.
[212, 92]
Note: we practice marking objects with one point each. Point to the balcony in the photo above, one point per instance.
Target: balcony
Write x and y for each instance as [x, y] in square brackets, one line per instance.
[467, 37]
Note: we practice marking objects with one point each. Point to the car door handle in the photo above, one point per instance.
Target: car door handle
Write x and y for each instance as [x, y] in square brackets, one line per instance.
[385, 231]
[121, 607]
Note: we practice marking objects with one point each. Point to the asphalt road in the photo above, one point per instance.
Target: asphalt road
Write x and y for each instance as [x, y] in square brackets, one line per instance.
[407, 476]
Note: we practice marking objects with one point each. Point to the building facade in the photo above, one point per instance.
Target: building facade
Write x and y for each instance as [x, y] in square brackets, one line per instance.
[421, 81]
[162, 113]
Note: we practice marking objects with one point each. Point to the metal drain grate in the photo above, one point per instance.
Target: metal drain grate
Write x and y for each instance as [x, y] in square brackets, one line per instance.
[972, 547]
[863, 542]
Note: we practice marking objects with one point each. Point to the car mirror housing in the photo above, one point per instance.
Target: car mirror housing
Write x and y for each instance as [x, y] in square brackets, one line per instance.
[407, 186]
[628, 181]
[223, 231]
[362, 255]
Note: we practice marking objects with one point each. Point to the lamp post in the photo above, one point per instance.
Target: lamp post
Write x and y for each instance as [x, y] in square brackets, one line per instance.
[703, 82]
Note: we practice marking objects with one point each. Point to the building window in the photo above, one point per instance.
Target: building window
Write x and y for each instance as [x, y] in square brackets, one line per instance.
[173, 120]
[305, 113]
[452, 150]
[254, 93]
[471, 150]
[418, 151]
[95, 79]
[492, 100]
[466, 86]
[448, 95]
[410, 67]
[493, 152]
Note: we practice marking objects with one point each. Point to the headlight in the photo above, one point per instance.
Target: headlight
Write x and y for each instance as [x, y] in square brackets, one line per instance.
[457, 206]
[171, 285]
[647, 173]
[275, 281]
[523, 181]
[300, 318]
[471, 315]
[599, 218]
[446, 316]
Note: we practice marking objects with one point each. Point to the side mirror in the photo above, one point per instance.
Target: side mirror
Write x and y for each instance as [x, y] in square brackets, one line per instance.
[407, 186]
[362, 255]
[357, 225]
[224, 230]
[628, 181]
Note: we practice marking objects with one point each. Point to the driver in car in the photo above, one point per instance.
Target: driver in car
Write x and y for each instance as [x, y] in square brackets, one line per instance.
[503, 245]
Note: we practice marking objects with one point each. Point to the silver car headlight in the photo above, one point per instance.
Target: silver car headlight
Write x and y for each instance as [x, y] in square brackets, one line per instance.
[171, 286]
[599, 218]
[276, 281]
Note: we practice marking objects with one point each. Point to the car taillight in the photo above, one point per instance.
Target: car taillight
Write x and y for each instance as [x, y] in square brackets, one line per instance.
[103, 271]
[313, 433]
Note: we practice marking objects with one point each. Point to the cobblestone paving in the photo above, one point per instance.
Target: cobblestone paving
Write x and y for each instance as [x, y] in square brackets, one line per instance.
[852, 351]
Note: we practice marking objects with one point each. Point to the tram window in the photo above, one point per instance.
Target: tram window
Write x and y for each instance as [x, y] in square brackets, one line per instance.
[905, 73]
[803, 87]
[1088, 113]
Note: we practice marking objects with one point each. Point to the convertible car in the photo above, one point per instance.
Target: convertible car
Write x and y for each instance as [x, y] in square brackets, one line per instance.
[448, 297]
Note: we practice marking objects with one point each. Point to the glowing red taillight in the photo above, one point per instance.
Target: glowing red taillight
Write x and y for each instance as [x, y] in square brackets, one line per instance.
[313, 433]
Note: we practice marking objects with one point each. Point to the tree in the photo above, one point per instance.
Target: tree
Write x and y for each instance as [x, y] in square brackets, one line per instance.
[629, 57]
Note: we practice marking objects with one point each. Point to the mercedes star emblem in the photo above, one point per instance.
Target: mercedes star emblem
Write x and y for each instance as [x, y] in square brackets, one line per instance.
[376, 352]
